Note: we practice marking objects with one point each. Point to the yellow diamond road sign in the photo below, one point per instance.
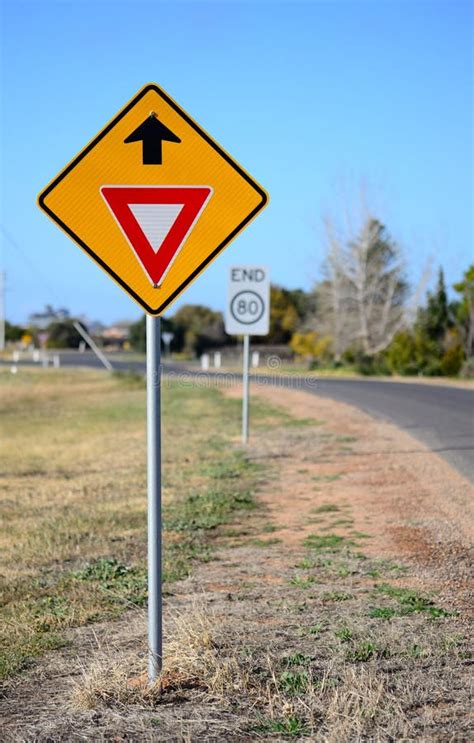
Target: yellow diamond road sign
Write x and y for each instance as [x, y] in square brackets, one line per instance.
[153, 199]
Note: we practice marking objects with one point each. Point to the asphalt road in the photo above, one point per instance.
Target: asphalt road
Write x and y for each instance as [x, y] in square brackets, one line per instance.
[440, 416]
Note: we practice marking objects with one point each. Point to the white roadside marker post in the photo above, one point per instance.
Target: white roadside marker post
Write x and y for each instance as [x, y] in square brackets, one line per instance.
[245, 391]
[153, 386]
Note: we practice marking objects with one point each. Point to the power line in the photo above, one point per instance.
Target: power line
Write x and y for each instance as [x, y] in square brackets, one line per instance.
[52, 292]
[14, 244]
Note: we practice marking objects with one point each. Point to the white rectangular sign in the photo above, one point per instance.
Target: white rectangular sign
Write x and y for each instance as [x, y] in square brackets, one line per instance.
[248, 301]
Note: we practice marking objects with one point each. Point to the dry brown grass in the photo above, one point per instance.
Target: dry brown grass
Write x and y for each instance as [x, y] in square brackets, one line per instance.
[205, 659]
[73, 476]
[193, 660]
[313, 637]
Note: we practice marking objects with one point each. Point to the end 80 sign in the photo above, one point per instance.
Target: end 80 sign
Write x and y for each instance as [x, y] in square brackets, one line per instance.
[248, 301]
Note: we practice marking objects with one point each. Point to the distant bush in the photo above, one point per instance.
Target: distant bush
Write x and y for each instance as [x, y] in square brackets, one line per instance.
[313, 347]
[401, 354]
[412, 353]
[371, 365]
[467, 369]
[452, 361]
[13, 332]
[63, 334]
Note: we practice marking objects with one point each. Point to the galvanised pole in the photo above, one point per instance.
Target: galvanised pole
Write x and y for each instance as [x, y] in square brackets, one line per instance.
[155, 612]
[245, 396]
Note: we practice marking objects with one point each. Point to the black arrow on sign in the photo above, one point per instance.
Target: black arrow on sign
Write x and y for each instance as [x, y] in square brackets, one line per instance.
[152, 133]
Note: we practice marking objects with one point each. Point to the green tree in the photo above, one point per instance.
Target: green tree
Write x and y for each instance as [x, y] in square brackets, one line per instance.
[138, 333]
[452, 360]
[312, 347]
[441, 327]
[464, 311]
[401, 354]
[434, 318]
[413, 352]
[63, 334]
[198, 328]
[13, 333]
[287, 310]
[434, 345]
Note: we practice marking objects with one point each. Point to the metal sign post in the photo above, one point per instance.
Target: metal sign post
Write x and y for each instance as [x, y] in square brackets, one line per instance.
[129, 199]
[153, 386]
[247, 313]
[245, 392]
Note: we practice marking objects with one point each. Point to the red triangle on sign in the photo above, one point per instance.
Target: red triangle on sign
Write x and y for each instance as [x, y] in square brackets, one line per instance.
[156, 220]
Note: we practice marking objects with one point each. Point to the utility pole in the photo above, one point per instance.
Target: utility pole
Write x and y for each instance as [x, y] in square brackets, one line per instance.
[83, 332]
[2, 310]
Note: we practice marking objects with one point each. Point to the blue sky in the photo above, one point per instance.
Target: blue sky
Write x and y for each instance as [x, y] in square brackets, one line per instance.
[303, 94]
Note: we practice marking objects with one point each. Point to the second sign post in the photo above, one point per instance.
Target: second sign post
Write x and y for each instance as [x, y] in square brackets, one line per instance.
[247, 313]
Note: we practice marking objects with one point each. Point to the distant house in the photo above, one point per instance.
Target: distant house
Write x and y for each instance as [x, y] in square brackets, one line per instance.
[116, 335]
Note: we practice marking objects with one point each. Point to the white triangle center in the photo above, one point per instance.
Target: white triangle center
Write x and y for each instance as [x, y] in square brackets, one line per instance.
[156, 220]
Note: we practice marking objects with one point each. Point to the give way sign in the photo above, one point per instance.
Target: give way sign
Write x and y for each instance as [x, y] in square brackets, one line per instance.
[153, 199]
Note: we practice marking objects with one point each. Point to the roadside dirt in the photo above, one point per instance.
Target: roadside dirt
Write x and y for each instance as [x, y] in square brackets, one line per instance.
[273, 602]
[414, 504]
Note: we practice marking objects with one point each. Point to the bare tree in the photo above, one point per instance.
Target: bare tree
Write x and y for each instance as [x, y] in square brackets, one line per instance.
[376, 288]
[365, 287]
[333, 294]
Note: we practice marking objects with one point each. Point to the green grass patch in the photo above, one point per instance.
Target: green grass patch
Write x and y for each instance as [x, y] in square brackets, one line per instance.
[382, 612]
[298, 659]
[344, 634]
[325, 508]
[360, 535]
[268, 528]
[293, 682]
[123, 582]
[206, 510]
[316, 629]
[264, 542]
[286, 727]
[329, 542]
[363, 652]
[386, 567]
[301, 581]
[341, 522]
[336, 596]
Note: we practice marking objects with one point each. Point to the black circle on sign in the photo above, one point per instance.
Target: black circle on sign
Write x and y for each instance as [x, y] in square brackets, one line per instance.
[259, 301]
